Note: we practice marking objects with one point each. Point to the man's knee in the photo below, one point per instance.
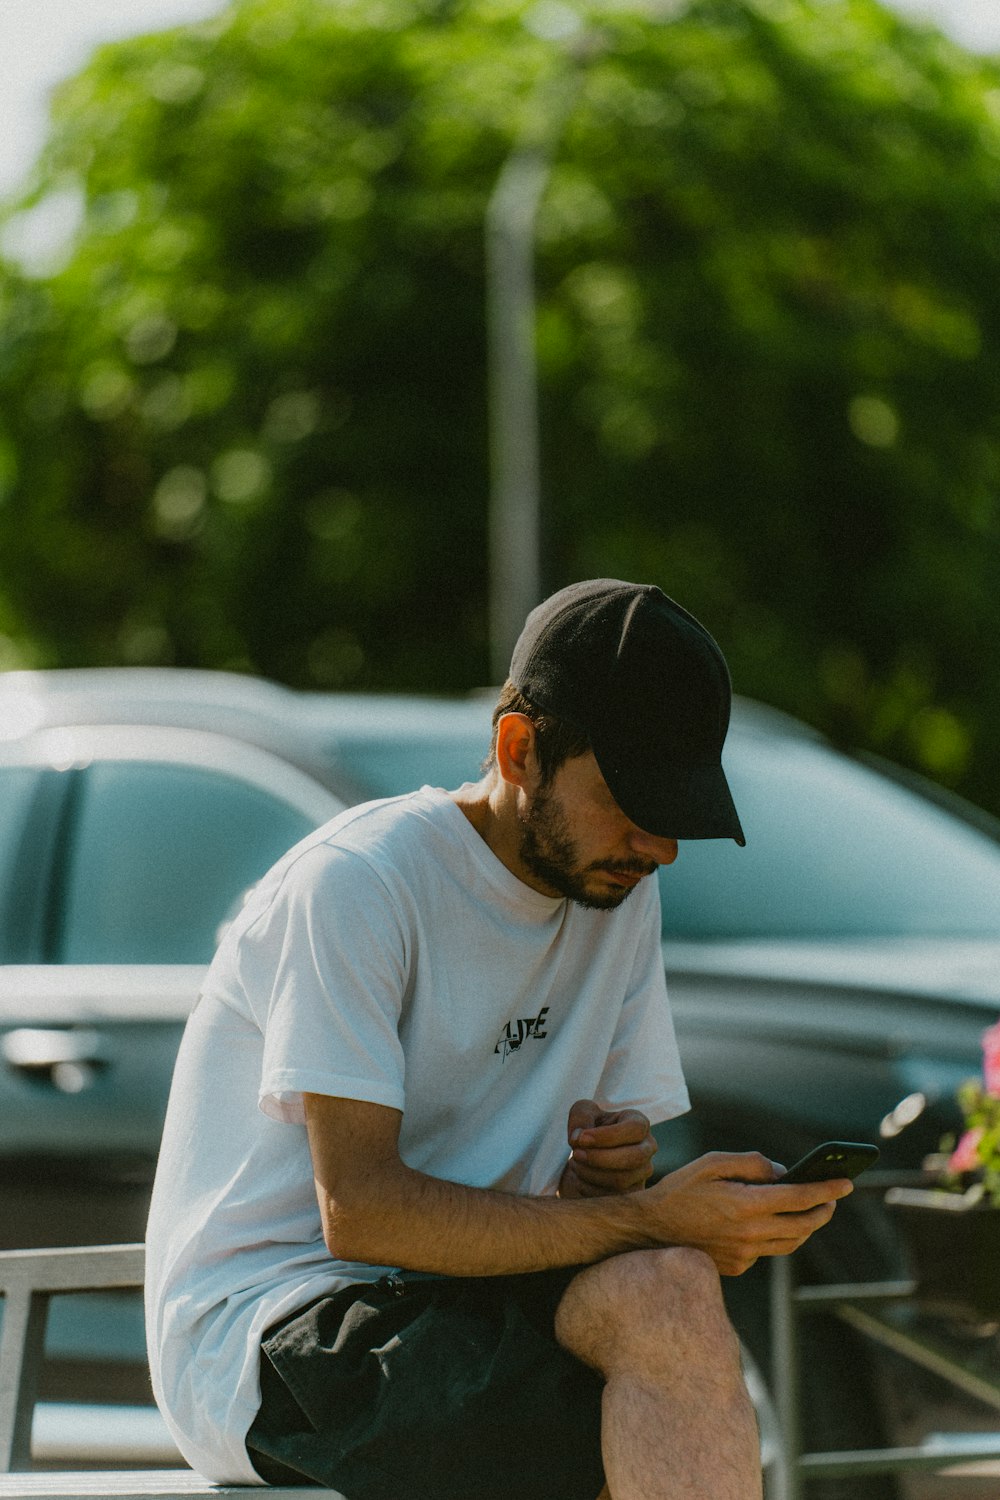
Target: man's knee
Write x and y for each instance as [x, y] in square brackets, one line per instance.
[647, 1306]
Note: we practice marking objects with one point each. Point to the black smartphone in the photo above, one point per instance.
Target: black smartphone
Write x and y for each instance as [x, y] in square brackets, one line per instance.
[832, 1159]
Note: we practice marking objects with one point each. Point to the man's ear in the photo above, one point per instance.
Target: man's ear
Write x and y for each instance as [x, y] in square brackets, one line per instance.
[515, 751]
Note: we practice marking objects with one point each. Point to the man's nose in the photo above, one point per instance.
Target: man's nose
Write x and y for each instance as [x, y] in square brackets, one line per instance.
[663, 851]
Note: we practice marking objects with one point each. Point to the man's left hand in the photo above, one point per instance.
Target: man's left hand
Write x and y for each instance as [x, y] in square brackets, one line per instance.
[611, 1152]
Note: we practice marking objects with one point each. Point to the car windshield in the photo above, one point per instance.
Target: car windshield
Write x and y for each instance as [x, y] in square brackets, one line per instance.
[834, 849]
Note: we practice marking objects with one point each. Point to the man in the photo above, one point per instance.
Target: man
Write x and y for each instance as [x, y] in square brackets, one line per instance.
[399, 1242]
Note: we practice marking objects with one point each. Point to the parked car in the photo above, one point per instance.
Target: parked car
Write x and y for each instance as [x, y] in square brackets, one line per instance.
[830, 980]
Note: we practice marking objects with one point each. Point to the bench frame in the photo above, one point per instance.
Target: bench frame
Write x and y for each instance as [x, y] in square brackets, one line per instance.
[28, 1279]
[863, 1307]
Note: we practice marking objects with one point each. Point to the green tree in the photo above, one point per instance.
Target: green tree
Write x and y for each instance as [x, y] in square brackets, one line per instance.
[244, 423]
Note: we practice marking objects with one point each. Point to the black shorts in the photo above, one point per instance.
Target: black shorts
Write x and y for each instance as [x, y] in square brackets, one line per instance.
[415, 1387]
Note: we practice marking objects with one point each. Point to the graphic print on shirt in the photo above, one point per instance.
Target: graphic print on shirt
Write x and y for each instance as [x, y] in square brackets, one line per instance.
[516, 1033]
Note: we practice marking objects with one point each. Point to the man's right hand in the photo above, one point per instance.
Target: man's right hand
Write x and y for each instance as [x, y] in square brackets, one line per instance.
[733, 1207]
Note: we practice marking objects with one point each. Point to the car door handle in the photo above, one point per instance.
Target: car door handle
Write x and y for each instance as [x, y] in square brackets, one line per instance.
[69, 1060]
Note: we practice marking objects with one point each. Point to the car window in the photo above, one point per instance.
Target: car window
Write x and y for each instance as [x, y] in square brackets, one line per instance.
[159, 855]
[22, 885]
[833, 850]
[389, 767]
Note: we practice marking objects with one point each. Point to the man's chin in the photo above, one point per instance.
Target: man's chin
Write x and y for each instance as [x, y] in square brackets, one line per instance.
[596, 888]
[608, 898]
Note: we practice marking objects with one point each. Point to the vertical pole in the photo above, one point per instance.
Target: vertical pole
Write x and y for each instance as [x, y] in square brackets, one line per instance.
[785, 1375]
[515, 485]
[515, 463]
[21, 1344]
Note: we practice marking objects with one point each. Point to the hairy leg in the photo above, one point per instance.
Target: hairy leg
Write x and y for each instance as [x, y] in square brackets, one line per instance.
[677, 1423]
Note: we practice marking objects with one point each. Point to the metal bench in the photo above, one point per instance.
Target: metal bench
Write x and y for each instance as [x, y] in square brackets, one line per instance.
[28, 1279]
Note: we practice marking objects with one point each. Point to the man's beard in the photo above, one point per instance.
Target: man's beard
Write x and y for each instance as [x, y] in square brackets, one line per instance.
[548, 851]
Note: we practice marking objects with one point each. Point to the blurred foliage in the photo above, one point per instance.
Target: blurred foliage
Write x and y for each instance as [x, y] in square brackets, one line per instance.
[243, 419]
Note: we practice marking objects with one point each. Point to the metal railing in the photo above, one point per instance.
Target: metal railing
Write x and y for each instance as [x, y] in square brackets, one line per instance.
[868, 1308]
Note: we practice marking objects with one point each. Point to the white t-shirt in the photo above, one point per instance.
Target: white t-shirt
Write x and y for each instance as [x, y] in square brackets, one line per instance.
[389, 957]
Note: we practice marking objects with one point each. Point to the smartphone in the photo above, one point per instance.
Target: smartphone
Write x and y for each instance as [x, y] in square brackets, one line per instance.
[832, 1159]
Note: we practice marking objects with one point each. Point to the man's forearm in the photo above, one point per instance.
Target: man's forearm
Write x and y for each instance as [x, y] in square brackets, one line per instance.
[427, 1224]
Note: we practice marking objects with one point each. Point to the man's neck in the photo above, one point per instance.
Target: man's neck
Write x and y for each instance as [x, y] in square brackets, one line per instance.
[489, 806]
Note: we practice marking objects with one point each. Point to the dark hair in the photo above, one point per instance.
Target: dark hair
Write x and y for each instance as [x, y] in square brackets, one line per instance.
[556, 740]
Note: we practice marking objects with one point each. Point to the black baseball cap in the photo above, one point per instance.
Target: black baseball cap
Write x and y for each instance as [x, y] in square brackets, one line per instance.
[651, 690]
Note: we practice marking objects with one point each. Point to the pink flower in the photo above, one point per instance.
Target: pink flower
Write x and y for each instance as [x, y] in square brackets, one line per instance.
[965, 1157]
[991, 1060]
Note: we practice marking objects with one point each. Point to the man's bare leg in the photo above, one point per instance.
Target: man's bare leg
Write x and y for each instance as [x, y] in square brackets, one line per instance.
[677, 1423]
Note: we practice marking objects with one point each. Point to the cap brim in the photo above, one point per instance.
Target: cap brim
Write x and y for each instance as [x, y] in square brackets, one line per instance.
[677, 802]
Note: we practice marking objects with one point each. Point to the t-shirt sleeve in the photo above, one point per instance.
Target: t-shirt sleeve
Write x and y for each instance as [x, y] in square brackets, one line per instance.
[324, 968]
[643, 1068]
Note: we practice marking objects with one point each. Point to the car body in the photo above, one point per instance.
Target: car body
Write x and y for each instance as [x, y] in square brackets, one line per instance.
[844, 962]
